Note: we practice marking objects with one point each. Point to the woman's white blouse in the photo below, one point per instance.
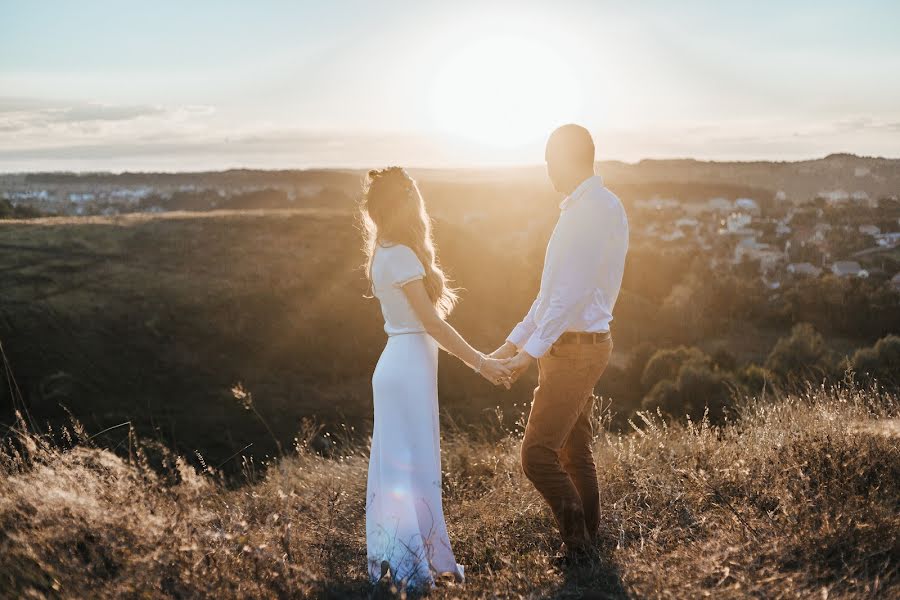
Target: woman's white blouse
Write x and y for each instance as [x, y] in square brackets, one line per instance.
[392, 268]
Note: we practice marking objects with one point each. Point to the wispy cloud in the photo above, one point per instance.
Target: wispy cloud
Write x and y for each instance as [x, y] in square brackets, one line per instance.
[33, 116]
[216, 149]
[37, 134]
[867, 124]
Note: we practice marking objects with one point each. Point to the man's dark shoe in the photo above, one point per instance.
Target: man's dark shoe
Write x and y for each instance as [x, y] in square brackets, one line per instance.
[572, 556]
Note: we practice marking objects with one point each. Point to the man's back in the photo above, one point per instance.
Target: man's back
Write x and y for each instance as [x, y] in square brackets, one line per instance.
[594, 219]
[583, 269]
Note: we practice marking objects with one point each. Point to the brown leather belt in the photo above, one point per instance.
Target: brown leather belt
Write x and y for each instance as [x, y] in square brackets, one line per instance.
[583, 337]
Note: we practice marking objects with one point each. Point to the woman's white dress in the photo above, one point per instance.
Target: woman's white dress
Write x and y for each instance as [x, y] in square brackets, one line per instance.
[404, 515]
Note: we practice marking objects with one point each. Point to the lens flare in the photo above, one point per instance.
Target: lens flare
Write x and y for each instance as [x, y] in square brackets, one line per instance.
[504, 91]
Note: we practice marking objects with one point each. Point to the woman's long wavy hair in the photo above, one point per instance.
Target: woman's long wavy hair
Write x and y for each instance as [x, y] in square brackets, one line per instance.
[393, 212]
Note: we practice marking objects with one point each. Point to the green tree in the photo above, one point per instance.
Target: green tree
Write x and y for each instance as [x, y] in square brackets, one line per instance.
[803, 355]
[696, 388]
[666, 364]
[880, 362]
[755, 378]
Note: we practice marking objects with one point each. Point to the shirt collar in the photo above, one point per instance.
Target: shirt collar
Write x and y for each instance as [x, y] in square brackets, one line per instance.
[590, 182]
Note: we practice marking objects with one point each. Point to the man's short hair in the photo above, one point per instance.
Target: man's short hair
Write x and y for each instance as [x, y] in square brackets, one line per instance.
[572, 142]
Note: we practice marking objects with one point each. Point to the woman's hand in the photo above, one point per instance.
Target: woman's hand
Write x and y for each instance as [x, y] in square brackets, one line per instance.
[518, 365]
[495, 370]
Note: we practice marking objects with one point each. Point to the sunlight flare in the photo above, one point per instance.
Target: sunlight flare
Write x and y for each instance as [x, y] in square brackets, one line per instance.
[504, 91]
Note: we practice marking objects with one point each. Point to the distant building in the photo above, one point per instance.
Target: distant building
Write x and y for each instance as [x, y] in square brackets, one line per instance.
[747, 205]
[821, 229]
[835, 197]
[806, 269]
[888, 240]
[130, 194]
[722, 205]
[657, 203]
[86, 197]
[686, 222]
[26, 195]
[869, 230]
[736, 222]
[843, 197]
[847, 268]
[750, 249]
[895, 282]
[782, 229]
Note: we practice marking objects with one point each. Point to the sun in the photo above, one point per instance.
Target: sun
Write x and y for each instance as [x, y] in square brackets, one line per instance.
[504, 91]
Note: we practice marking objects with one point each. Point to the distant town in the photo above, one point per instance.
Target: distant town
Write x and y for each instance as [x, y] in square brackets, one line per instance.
[729, 213]
[838, 232]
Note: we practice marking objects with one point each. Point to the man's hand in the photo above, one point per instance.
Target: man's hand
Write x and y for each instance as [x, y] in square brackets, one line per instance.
[507, 350]
[518, 365]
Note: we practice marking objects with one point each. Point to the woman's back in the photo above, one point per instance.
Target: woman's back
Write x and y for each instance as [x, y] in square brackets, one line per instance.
[393, 266]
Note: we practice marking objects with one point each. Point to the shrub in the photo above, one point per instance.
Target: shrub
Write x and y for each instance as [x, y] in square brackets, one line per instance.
[702, 387]
[8, 211]
[802, 355]
[666, 363]
[666, 396]
[756, 379]
[696, 388]
[724, 360]
[880, 362]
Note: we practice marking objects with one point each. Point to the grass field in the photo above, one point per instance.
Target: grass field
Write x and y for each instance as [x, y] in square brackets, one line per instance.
[797, 498]
[152, 319]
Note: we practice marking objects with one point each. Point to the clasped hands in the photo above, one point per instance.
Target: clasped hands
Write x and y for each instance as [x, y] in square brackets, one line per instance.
[505, 365]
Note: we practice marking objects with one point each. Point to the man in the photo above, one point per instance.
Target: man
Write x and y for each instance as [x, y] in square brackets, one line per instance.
[567, 332]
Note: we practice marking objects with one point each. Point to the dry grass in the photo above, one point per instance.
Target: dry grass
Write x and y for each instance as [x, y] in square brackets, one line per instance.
[797, 499]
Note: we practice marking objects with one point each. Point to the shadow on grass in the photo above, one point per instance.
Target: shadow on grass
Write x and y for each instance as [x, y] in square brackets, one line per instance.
[597, 579]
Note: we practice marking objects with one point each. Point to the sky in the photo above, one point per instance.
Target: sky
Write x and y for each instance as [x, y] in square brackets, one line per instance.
[166, 85]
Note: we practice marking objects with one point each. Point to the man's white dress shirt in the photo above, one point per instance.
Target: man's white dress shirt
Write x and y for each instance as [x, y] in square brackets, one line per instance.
[582, 269]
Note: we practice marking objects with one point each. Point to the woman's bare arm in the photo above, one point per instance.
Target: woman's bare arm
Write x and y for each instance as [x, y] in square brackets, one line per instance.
[445, 335]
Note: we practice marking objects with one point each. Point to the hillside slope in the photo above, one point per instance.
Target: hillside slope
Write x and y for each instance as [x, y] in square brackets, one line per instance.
[153, 318]
[797, 499]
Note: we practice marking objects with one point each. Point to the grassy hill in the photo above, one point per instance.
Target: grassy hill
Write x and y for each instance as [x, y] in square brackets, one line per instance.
[153, 319]
[796, 498]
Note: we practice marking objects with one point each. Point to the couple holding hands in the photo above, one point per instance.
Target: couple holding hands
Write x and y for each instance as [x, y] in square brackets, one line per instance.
[566, 332]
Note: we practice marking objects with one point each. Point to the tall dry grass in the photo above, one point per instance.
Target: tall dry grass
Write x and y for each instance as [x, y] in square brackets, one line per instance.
[796, 498]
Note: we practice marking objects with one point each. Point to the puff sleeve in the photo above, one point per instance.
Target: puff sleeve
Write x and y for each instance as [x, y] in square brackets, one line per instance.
[404, 266]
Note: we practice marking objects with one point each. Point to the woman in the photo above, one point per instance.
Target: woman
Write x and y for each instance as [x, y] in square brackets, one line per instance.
[405, 529]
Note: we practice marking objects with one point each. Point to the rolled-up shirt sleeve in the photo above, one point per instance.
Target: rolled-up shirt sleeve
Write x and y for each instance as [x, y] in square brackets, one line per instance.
[521, 332]
[571, 286]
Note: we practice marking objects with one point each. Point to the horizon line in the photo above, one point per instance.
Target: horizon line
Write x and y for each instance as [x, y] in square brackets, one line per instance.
[459, 167]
